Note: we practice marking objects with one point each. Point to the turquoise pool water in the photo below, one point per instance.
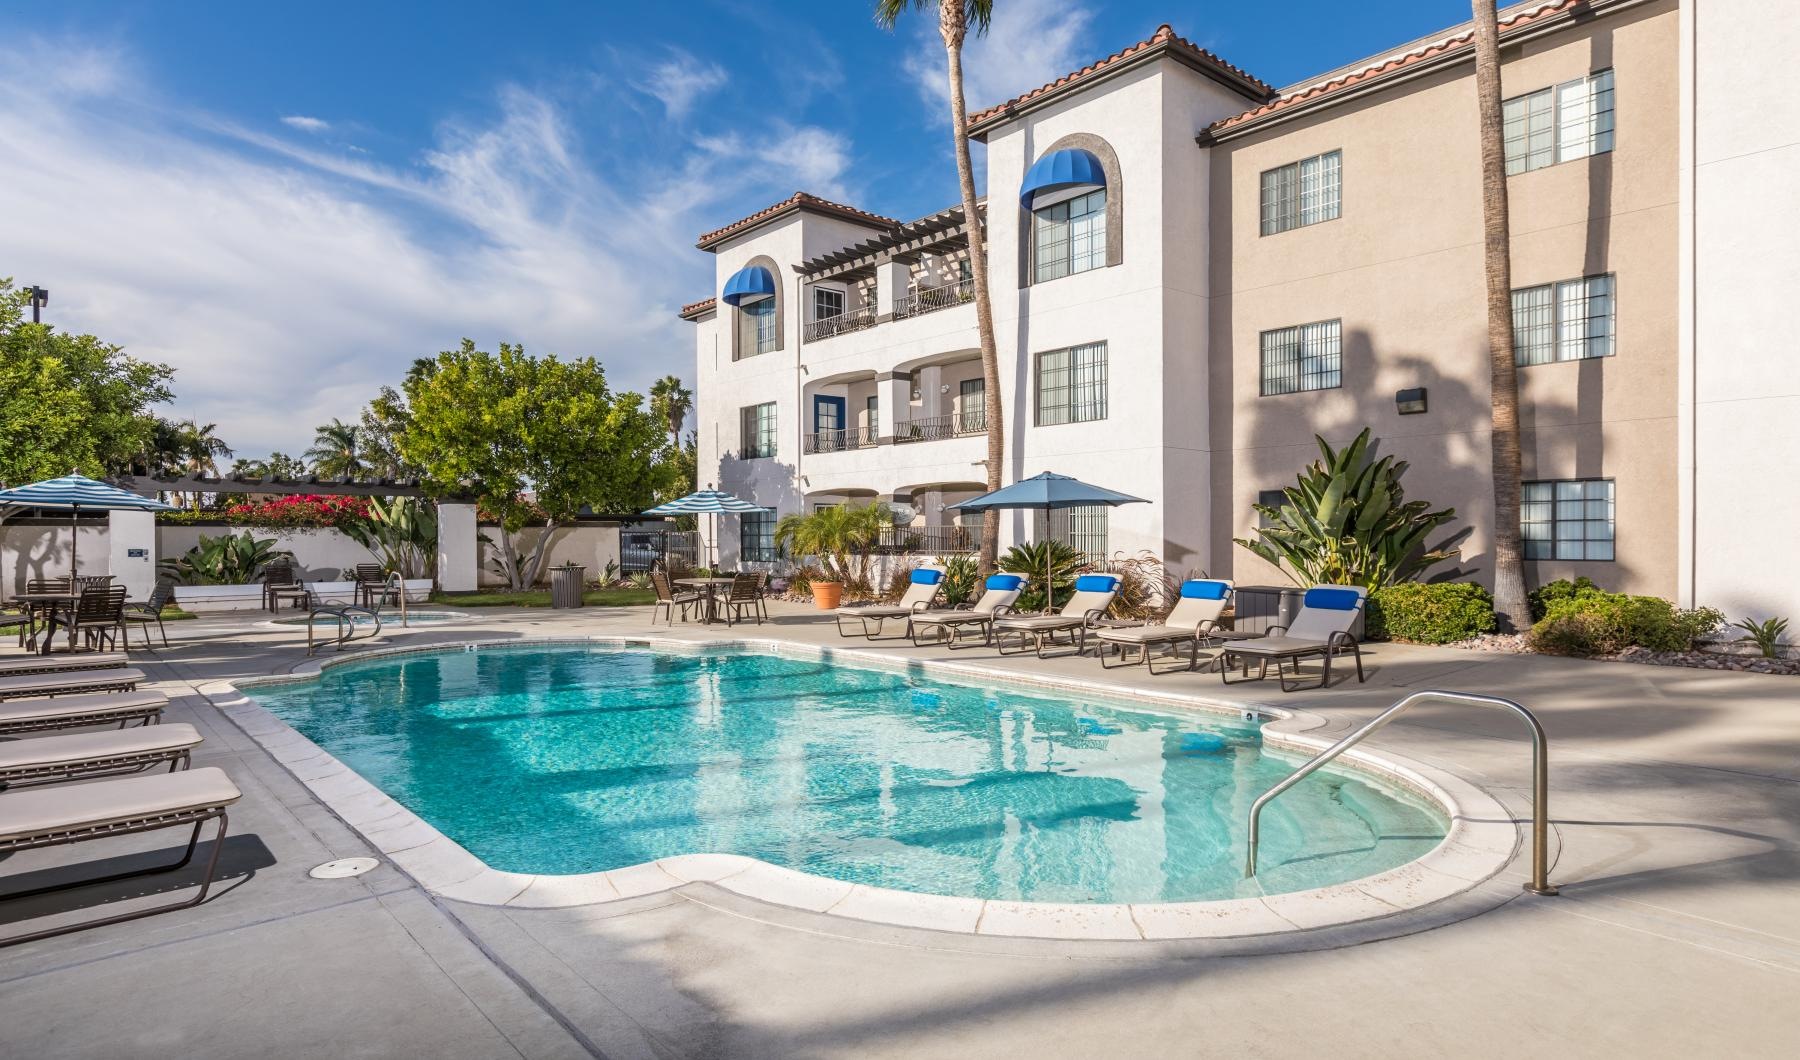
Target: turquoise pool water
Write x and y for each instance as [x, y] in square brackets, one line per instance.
[569, 759]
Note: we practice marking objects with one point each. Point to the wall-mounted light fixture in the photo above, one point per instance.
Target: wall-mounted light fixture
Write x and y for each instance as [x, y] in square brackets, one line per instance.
[1410, 402]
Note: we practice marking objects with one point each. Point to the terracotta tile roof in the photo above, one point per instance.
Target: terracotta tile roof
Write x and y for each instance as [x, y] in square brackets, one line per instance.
[1462, 38]
[800, 200]
[1164, 39]
[695, 309]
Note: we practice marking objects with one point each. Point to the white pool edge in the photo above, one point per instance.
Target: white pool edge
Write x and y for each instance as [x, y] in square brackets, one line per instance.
[1481, 842]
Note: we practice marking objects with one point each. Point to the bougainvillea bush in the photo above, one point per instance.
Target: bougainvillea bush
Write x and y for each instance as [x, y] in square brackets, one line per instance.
[301, 511]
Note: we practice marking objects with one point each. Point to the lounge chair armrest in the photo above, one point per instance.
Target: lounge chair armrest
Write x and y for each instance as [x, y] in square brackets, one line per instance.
[1339, 635]
[1270, 632]
[1092, 616]
[1002, 610]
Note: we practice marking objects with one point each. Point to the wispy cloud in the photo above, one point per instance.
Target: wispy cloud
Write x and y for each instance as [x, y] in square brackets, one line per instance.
[285, 280]
[305, 123]
[681, 81]
[1030, 43]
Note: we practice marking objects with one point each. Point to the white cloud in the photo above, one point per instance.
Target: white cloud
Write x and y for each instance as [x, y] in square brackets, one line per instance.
[1030, 43]
[286, 281]
[306, 124]
[681, 81]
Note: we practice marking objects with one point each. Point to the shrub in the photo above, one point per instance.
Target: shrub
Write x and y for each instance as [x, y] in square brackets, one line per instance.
[1589, 621]
[1440, 613]
[223, 560]
[1561, 589]
[962, 578]
[300, 512]
[1064, 564]
[799, 583]
[1766, 635]
[899, 580]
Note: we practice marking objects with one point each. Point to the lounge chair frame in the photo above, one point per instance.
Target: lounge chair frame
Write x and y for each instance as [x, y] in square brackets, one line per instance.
[1333, 646]
[948, 630]
[178, 758]
[888, 613]
[111, 679]
[145, 713]
[1174, 639]
[1076, 626]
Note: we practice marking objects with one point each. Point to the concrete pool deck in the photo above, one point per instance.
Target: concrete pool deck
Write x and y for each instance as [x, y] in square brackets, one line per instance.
[1675, 799]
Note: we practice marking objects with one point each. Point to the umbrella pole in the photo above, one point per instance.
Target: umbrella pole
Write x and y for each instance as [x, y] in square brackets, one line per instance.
[74, 540]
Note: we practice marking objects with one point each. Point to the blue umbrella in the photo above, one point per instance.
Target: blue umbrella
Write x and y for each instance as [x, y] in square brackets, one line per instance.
[76, 492]
[1045, 493]
[708, 501]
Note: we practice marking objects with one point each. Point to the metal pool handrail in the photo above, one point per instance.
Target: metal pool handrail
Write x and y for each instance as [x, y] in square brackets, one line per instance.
[400, 591]
[346, 627]
[1540, 776]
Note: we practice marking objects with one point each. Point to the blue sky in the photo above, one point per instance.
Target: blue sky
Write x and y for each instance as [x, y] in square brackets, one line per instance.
[291, 202]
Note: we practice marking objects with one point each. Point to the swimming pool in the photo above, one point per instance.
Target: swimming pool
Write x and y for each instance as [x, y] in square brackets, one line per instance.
[569, 759]
[389, 618]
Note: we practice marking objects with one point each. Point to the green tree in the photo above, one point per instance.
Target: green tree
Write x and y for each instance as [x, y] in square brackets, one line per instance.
[279, 465]
[527, 438]
[834, 536]
[383, 421]
[336, 450]
[671, 401]
[70, 402]
[955, 19]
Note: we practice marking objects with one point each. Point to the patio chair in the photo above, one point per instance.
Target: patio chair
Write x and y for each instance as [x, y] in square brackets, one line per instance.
[762, 593]
[73, 712]
[82, 755]
[81, 812]
[1192, 621]
[371, 584]
[71, 682]
[11, 618]
[281, 584]
[922, 588]
[999, 594]
[98, 614]
[51, 664]
[84, 582]
[150, 610]
[667, 599]
[742, 595]
[1322, 628]
[1094, 593]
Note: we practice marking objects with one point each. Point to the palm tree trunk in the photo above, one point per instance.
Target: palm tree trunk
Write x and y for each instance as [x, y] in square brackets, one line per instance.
[1511, 607]
[953, 26]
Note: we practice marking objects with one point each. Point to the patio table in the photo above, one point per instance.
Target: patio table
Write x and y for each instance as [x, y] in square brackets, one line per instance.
[46, 604]
[710, 586]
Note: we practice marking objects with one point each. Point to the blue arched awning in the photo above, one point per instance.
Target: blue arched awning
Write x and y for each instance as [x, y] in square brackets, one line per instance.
[1059, 170]
[749, 284]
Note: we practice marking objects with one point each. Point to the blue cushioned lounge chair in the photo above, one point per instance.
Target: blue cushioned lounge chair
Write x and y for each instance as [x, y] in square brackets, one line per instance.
[1322, 628]
[922, 589]
[1094, 593]
[1193, 620]
[1000, 593]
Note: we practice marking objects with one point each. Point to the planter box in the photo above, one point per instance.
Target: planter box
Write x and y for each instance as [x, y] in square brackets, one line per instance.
[201, 599]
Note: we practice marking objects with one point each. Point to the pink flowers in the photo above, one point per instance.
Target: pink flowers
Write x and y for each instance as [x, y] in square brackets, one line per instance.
[301, 510]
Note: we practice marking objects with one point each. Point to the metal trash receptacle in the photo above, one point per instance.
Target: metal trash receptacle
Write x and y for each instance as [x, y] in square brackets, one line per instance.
[566, 584]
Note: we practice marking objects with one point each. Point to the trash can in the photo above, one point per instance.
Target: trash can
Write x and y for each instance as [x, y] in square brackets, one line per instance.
[565, 585]
[1257, 607]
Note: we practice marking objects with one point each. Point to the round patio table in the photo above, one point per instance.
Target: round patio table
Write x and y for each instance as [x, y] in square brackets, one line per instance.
[711, 586]
[46, 604]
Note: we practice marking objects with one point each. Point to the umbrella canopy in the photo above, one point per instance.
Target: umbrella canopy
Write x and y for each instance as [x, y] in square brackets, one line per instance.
[1047, 492]
[76, 492]
[708, 501]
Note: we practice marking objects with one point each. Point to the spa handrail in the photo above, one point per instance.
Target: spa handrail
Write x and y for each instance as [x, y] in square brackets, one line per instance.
[1540, 776]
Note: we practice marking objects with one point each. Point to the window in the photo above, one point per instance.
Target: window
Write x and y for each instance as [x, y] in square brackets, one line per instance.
[872, 409]
[1303, 193]
[1571, 519]
[1070, 237]
[1566, 321]
[757, 437]
[759, 327]
[1551, 125]
[971, 405]
[1082, 528]
[828, 302]
[1308, 357]
[1269, 499]
[1071, 385]
[756, 537]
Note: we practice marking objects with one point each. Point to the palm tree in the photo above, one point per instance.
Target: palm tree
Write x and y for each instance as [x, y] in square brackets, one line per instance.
[670, 401]
[1510, 604]
[336, 450]
[955, 18]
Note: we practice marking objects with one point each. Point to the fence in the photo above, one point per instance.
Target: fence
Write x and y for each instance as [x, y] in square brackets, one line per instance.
[639, 549]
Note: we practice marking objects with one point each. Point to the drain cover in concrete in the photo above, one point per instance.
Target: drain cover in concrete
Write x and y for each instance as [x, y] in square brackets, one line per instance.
[343, 868]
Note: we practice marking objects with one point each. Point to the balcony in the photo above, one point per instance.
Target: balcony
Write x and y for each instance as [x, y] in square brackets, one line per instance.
[849, 320]
[932, 428]
[922, 300]
[935, 540]
[840, 440]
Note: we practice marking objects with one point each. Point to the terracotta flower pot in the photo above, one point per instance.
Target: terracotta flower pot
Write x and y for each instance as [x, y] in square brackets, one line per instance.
[827, 595]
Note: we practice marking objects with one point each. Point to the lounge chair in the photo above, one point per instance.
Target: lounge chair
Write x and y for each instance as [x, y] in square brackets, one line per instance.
[1192, 621]
[69, 712]
[52, 664]
[921, 590]
[113, 679]
[999, 593]
[80, 812]
[1094, 593]
[1322, 628]
[90, 754]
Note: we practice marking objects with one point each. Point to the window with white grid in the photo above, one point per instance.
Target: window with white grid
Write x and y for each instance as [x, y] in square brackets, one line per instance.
[1302, 193]
[1308, 357]
[756, 537]
[1082, 528]
[1566, 321]
[828, 302]
[757, 437]
[1556, 124]
[1568, 519]
[1071, 385]
[1069, 237]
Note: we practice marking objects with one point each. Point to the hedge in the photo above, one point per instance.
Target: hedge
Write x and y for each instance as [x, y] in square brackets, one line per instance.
[1430, 613]
[1579, 619]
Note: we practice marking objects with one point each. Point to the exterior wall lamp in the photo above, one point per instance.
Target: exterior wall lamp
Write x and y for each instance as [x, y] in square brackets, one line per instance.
[1410, 402]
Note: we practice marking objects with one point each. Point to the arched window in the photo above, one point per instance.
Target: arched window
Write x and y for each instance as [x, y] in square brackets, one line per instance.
[1066, 193]
[753, 291]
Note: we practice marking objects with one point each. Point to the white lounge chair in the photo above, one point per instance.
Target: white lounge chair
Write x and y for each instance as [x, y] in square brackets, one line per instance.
[1192, 621]
[93, 708]
[1094, 593]
[71, 682]
[998, 595]
[80, 812]
[921, 590]
[1322, 628]
[90, 754]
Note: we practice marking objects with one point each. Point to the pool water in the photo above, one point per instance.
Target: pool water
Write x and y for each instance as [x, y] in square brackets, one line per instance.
[389, 617]
[570, 759]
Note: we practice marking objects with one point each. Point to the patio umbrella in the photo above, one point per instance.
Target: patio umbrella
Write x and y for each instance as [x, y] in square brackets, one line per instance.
[77, 492]
[1047, 492]
[708, 501]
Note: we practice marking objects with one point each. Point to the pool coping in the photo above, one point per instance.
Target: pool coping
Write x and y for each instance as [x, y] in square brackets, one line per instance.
[1481, 842]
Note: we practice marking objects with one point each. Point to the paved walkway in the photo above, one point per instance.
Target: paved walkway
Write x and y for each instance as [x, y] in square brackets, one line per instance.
[1676, 805]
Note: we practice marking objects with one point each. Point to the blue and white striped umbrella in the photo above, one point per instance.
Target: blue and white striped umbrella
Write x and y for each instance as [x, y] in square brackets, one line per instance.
[76, 492]
[706, 502]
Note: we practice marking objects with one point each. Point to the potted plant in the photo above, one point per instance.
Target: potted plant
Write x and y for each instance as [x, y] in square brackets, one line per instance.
[829, 537]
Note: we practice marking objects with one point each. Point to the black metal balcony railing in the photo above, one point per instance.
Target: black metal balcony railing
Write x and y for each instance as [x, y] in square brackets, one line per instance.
[923, 300]
[931, 428]
[841, 439]
[849, 320]
[935, 540]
